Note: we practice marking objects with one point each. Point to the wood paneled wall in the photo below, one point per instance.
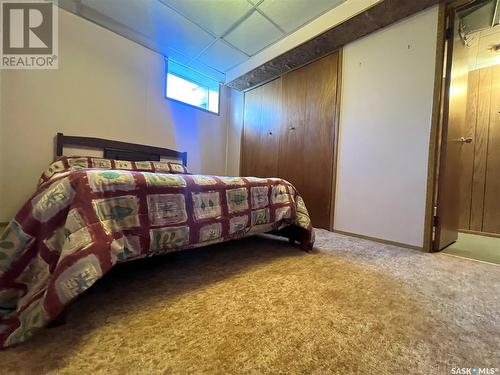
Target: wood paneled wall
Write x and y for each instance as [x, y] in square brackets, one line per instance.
[480, 185]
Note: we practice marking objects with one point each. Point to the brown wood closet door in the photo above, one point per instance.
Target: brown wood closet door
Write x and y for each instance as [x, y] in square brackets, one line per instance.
[262, 120]
[307, 134]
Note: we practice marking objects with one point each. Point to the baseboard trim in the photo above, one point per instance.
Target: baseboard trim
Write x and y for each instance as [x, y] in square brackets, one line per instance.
[486, 234]
[379, 240]
[472, 259]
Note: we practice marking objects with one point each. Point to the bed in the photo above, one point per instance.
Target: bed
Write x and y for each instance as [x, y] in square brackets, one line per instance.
[131, 201]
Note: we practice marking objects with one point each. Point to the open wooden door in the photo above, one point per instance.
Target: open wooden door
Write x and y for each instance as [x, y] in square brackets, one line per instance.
[453, 139]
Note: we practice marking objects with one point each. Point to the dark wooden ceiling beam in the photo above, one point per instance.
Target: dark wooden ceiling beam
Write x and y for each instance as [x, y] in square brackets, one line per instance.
[381, 15]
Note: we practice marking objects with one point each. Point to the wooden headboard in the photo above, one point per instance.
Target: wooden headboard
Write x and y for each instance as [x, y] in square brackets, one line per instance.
[119, 150]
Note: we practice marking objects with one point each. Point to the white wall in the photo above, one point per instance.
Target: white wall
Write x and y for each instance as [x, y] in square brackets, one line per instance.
[387, 94]
[106, 86]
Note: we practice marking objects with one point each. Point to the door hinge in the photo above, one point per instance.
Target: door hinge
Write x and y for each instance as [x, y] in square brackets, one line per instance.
[448, 33]
[435, 220]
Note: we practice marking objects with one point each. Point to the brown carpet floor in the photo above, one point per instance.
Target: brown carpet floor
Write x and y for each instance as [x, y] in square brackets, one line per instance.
[260, 306]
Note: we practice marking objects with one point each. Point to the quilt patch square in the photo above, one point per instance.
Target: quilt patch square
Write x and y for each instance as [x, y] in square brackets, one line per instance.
[125, 248]
[34, 276]
[13, 242]
[143, 165]
[232, 181]
[49, 202]
[77, 278]
[76, 241]
[237, 200]
[101, 163]
[203, 180]
[280, 195]
[210, 232]
[74, 221]
[302, 220]
[117, 213]
[164, 239]
[301, 206]
[238, 224]
[161, 166]
[33, 317]
[123, 164]
[206, 205]
[283, 213]
[175, 167]
[101, 181]
[55, 167]
[260, 217]
[259, 196]
[78, 163]
[162, 179]
[73, 236]
[164, 209]
[56, 241]
[256, 180]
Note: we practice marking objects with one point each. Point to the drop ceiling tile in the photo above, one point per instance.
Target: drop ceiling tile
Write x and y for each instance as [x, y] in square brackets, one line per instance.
[208, 71]
[160, 24]
[177, 32]
[491, 30]
[481, 43]
[217, 16]
[133, 14]
[254, 34]
[291, 14]
[489, 40]
[222, 57]
[486, 56]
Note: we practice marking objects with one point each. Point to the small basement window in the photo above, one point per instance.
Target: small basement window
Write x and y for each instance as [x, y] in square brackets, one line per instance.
[188, 86]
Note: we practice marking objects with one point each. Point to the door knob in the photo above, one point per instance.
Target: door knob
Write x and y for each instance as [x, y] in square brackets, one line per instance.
[464, 140]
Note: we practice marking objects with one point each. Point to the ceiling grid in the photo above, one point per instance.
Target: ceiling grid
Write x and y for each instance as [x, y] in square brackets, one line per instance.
[212, 36]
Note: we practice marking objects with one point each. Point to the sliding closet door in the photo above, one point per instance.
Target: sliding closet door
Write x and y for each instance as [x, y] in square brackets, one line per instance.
[262, 120]
[307, 134]
[292, 152]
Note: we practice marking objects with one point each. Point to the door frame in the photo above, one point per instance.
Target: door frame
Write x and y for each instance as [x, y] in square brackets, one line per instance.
[439, 122]
[336, 134]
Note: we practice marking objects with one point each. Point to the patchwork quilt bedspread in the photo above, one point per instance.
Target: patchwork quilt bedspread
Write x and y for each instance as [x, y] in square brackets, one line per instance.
[89, 214]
